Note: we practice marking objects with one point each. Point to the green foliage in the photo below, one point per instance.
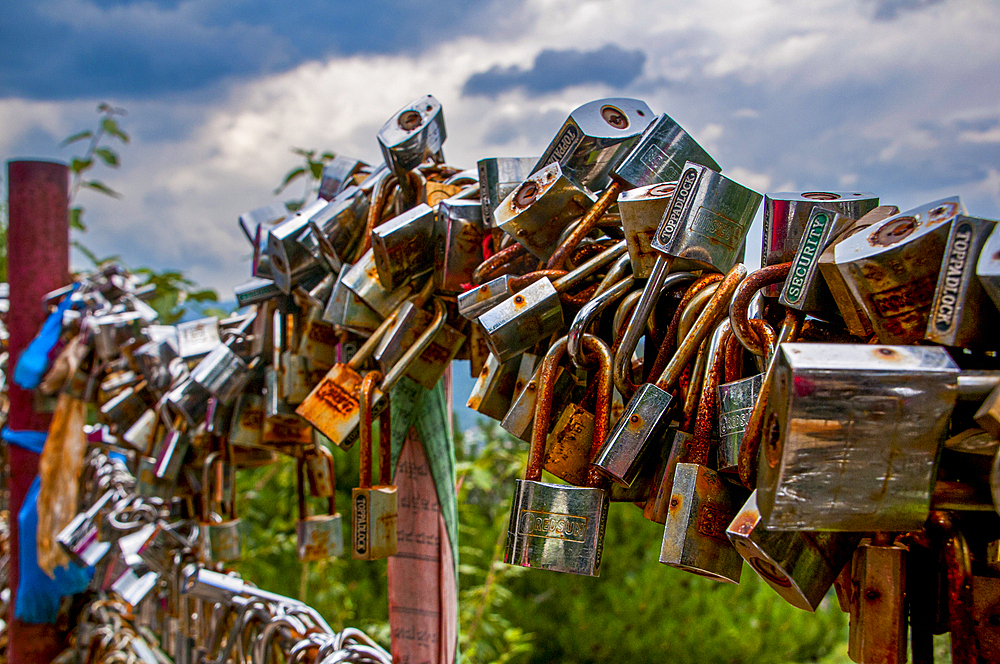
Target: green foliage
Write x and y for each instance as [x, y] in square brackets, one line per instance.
[311, 172]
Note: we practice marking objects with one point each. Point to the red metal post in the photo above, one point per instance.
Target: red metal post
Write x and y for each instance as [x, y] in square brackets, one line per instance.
[37, 263]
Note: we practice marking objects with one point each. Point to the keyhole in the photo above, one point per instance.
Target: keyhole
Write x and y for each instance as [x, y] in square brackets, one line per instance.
[409, 120]
[614, 117]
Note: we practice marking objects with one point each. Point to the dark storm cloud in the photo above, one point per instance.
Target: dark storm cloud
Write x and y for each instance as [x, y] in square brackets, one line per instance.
[555, 70]
[66, 49]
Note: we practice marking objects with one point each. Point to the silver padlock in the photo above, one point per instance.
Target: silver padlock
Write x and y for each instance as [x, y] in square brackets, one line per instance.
[319, 536]
[498, 176]
[412, 135]
[338, 175]
[459, 249]
[222, 535]
[476, 301]
[291, 261]
[799, 566]
[861, 425]
[891, 268]
[556, 526]
[962, 313]
[660, 155]
[517, 323]
[493, 391]
[197, 338]
[539, 210]
[403, 247]
[641, 210]
[363, 280]
[429, 366]
[595, 138]
[247, 426]
[222, 373]
[787, 213]
[805, 289]
[336, 229]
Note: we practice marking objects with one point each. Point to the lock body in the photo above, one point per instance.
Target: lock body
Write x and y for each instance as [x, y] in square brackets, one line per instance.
[660, 155]
[557, 527]
[518, 323]
[642, 424]
[320, 536]
[376, 510]
[878, 608]
[799, 566]
[736, 402]
[694, 536]
[498, 176]
[403, 247]
[459, 244]
[851, 436]
[641, 211]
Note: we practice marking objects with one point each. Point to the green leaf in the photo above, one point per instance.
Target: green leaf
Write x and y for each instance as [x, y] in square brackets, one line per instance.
[109, 157]
[328, 156]
[292, 175]
[304, 153]
[78, 165]
[79, 136]
[293, 206]
[110, 126]
[204, 295]
[75, 219]
[97, 185]
[317, 169]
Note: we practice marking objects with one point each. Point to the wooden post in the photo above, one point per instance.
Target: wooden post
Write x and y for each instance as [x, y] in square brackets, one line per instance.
[37, 263]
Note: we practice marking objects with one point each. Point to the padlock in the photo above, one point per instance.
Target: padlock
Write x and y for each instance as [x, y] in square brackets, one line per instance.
[363, 280]
[595, 138]
[493, 391]
[333, 405]
[247, 426]
[518, 323]
[81, 533]
[295, 382]
[891, 268]
[114, 331]
[520, 418]
[707, 221]
[799, 566]
[498, 176]
[878, 617]
[188, 399]
[336, 229]
[805, 289]
[197, 338]
[403, 247]
[140, 434]
[346, 311]
[133, 587]
[962, 313]
[641, 211]
[659, 156]
[222, 374]
[539, 210]
[787, 214]
[376, 508]
[125, 409]
[291, 261]
[266, 216]
[338, 175]
[320, 536]
[222, 535]
[854, 317]
[411, 320]
[556, 526]
[861, 425]
[647, 413]
[412, 135]
[988, 267]
[318, 341]
[153, 360]
[480, 299]
[284, 430]
[459, 250]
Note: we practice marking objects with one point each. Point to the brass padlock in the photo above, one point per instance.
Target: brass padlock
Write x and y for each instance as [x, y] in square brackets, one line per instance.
[799, 566]
[376, 508]
[556, 526]
[891, 268]
[320, 536]
[222, 535]
[595, 138]
[787, 215]
[864, 449]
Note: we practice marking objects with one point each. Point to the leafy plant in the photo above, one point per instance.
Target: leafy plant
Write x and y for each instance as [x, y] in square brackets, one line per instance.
[81, 166]
[311, 172]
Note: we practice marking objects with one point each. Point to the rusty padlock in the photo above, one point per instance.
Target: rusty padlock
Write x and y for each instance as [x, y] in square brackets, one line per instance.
[376, 508]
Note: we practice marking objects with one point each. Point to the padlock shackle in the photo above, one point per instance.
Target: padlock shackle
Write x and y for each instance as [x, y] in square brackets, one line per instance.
[690, 312]
[620, 269]
[368, 348]
[590, 311]
[752, 435]
[738, 311]
[673, 338]
[366, 399]
[602, 410]
[708, 406]
[658, 283]
[591, 266]
[422, 343]
[379, 198]
[543, 410]
[717, 307]
[497, 261]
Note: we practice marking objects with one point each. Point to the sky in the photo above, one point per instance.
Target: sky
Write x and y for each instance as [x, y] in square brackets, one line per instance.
[898, 97]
